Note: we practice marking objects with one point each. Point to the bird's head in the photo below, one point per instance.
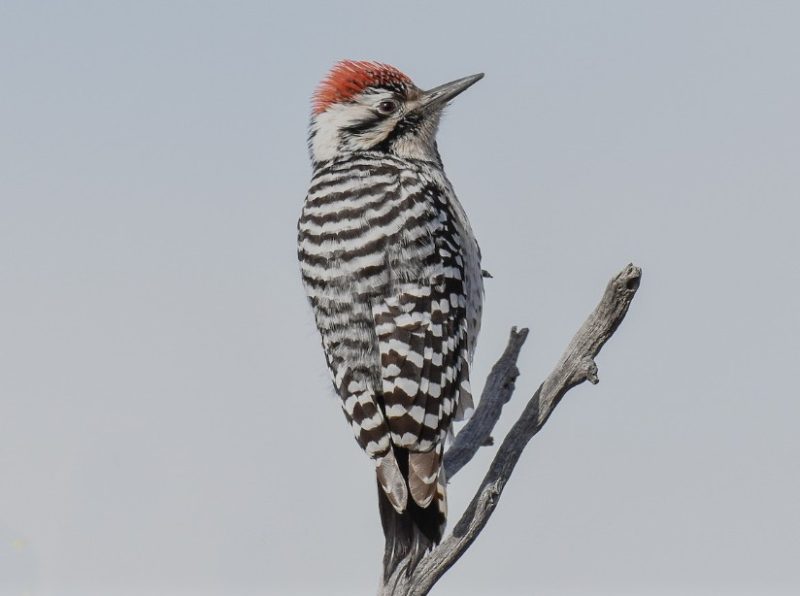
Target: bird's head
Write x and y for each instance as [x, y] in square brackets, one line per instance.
[369, 106]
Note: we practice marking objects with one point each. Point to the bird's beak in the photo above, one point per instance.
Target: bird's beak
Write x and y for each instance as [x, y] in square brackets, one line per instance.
[438, 96]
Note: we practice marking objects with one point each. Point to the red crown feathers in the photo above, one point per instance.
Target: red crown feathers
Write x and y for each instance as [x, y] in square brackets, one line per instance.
[348, 78]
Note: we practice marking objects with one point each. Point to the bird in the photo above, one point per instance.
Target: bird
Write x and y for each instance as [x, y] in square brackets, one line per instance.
[392, 270]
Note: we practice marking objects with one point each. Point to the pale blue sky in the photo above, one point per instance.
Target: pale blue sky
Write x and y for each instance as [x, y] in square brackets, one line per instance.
[166, 422]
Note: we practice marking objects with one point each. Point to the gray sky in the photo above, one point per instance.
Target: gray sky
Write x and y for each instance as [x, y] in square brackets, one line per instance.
[166, 422]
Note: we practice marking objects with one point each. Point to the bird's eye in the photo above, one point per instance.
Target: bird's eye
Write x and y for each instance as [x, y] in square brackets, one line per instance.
[387, 106]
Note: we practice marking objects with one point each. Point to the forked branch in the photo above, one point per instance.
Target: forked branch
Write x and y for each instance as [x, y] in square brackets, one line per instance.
[575, 366]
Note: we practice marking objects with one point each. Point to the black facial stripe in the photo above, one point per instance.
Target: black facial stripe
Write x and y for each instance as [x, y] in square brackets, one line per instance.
[399, 91]
[360, 128]
[405, 126]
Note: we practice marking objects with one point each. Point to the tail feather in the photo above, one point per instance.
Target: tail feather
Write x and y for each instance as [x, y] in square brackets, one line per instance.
[423, 473]
[391, 481]
[411, 533]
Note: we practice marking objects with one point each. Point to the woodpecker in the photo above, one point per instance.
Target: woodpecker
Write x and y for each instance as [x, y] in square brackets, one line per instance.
[392, 271]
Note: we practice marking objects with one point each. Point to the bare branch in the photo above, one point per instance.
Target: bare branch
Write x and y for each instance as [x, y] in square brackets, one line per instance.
[575, 366]
[496, 393]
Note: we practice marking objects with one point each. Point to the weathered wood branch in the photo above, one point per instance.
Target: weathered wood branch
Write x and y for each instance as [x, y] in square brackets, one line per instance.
[575, 366]
[498, 390]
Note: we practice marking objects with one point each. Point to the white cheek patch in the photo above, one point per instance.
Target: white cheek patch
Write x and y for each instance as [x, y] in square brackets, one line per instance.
[329, 128]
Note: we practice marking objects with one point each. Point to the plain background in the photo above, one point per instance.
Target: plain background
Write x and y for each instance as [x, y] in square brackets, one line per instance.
[166, 422]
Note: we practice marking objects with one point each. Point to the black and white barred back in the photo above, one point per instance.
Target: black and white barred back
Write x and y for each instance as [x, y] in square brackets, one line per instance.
[392, 271]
